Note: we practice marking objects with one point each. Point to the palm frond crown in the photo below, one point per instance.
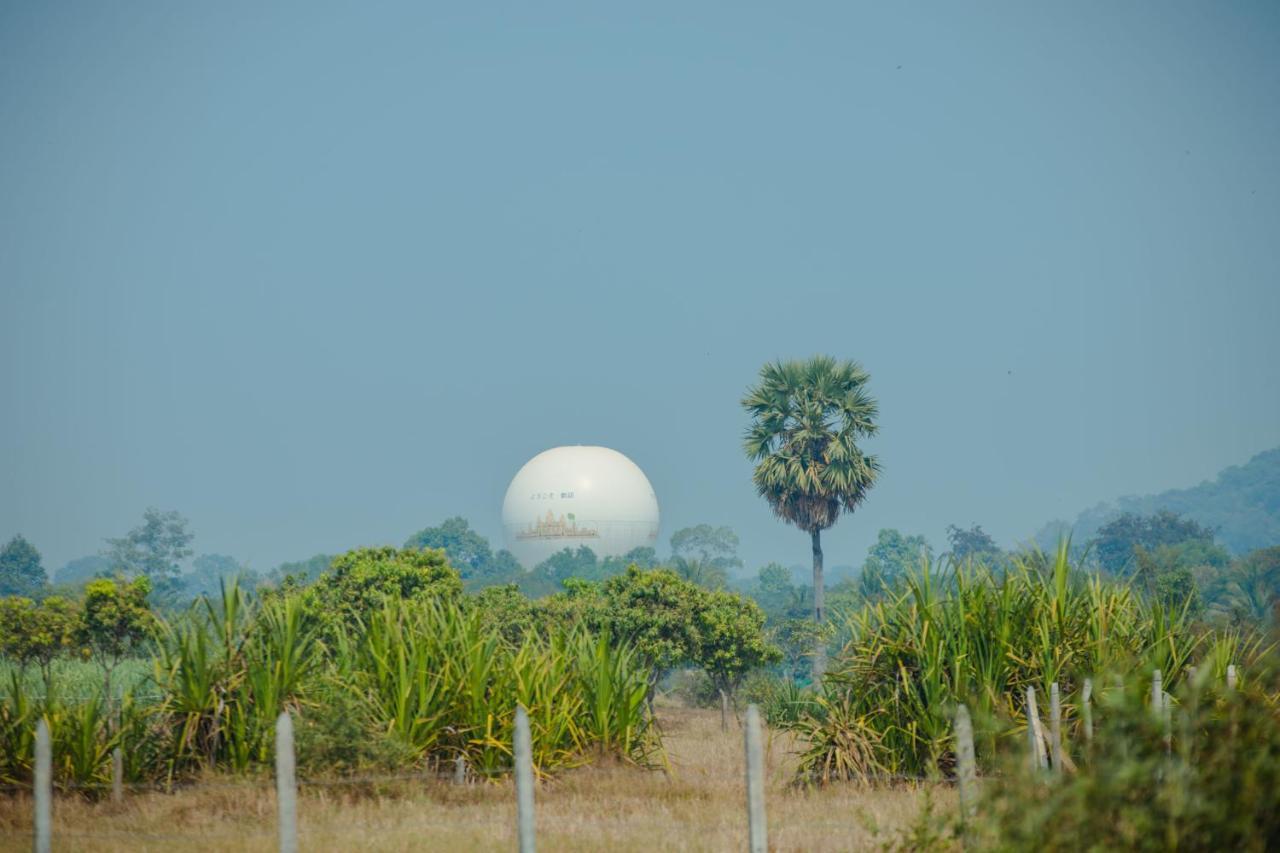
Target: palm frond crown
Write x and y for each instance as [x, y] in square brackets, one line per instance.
[806, 420]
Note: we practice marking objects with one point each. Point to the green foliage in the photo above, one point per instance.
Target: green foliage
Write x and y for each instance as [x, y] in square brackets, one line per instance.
[774, 591]
[1118, 541]
[980, 637]
[1242, 506]
[706, 574]
[783, 702]
[82, 569]
[731, 639]
[1218, 788]
[117, 619]
[300, 573]
[571, 563]
[654, 611]
[409, 682]
[359, 581]
[972, 544]
[155, 548]
[480, 566]
[890, 559]
[705, 555]
[505, 609]
[209, 572]
[1164, 576]
[806, 420]
[446, 684]
[796, 639]
[551, 575]
[37, 634]
[1248, 593]
[21, 572]
[338, 735]
[75, 677]
[669, 622]
[468, 551]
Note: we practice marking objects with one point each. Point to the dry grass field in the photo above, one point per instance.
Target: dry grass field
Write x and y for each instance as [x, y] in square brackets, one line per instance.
[698, 806]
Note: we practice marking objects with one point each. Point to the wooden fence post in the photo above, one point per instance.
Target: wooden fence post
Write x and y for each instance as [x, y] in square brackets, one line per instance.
[757, 831]
[966, 769]
[286, 785]
[117, 776]
[524, 781]
[43, 789]
[1086, 710]
[1055, 726]
[1035, 738]
[460, 770]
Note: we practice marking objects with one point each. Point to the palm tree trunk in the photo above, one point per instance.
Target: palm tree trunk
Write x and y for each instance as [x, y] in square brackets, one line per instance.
[819, 607]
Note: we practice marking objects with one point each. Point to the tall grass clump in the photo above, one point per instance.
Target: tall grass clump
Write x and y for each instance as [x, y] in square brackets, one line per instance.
[966, 633]
[399, 683]
[445, 683]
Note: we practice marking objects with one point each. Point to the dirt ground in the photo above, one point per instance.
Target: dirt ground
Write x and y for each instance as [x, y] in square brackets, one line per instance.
[699, 806]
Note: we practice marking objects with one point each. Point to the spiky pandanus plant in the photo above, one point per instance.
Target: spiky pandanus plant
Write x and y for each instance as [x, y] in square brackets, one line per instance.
[806, 420]
[967, 633]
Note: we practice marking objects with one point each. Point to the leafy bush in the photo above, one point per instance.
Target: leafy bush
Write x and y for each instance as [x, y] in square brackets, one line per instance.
[38, 634]
[116, 622]
[669, 621]
[358, 581]
[1218, 786]
[338, 735]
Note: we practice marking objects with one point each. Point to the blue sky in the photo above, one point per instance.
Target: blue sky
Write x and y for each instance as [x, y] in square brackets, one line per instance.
[318, 275]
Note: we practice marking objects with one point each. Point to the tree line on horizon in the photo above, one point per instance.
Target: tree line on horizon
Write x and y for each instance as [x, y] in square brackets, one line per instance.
[806, 419]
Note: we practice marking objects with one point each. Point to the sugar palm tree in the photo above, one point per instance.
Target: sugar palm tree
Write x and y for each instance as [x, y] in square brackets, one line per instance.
[806, 420]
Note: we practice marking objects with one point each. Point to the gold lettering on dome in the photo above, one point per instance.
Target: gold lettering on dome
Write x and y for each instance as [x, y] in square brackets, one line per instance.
[550, 527]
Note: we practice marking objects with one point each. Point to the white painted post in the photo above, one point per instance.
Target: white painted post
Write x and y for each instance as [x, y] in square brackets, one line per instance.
[117, 776]
[286, 785]
[524, 781]
[1034, 737]
[1166, 714]
[1055, 726]
[1086, 709]
[1231, 677]
[966, 767]
[1157, 693]
[43, 790]
[460, 770]
[757, 830]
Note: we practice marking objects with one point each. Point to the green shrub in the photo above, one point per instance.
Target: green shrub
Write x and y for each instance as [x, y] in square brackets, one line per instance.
[338, 736]
[1218, 786]
[358, 581]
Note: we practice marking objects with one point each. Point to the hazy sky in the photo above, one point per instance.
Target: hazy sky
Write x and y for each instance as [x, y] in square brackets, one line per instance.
[318, 276]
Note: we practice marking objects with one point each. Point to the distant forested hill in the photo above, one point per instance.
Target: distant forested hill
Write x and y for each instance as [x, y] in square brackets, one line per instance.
[1242, 504]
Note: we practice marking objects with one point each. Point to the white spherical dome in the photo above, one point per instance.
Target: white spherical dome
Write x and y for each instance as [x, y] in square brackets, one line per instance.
[567, 497]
